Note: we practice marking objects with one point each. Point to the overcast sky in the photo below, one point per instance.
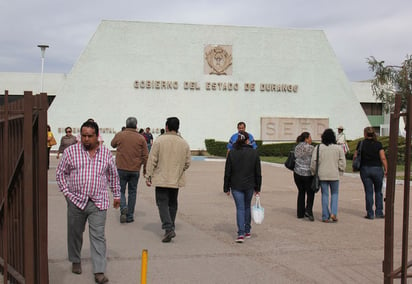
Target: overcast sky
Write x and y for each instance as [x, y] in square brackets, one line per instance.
[356, 30]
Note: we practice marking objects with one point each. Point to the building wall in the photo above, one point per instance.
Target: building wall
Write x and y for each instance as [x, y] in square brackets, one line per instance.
[102, 84]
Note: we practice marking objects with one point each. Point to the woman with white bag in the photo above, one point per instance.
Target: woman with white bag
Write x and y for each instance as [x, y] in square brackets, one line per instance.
[243, 177]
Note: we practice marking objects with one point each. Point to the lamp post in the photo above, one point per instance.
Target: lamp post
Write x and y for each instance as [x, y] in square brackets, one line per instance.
[43, 50]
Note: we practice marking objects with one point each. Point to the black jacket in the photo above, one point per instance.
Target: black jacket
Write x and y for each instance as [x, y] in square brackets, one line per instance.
[242, 170]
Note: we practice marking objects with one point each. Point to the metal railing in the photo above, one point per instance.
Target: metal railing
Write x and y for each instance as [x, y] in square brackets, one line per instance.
[388, 263]
[23, 189]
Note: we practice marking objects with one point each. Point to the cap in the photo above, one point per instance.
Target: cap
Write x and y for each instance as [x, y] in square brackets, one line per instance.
[340, 127]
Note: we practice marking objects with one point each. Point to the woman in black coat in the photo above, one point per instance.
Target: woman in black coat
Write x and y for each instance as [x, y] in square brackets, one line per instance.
[243, 177]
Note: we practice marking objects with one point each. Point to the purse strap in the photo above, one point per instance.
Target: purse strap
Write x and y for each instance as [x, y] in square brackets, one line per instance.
[360, 149]
[317, 160]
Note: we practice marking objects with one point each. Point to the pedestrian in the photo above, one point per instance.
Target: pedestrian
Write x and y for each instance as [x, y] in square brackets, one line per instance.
[332, 164]
[303, 176]
[243, 178]
[168, 161]
[149, 138]
[131, 155]
[371, 172]
[51, 141]
[66, 141]
[83, 175]
[241, 126]
[341, 139]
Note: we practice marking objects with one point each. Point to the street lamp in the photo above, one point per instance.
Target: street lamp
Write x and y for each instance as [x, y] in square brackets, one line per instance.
[43, 50]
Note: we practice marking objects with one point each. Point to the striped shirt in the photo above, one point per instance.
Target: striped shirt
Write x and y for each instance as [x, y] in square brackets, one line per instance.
[82, 178]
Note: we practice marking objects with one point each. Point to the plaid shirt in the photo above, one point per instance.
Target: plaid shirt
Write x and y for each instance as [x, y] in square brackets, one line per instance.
[81, 177]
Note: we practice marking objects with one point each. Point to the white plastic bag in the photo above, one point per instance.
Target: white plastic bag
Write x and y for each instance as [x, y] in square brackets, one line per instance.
[258, 212]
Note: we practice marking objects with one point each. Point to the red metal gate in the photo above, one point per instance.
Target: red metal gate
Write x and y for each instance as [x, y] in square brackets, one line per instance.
[23, 189]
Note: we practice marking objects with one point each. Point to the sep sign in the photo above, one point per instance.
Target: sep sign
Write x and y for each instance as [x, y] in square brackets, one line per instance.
[288, 128]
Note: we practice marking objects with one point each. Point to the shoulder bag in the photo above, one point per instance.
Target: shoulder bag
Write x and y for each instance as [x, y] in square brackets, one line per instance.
[356, 163]
[290, 161]
[315, 181]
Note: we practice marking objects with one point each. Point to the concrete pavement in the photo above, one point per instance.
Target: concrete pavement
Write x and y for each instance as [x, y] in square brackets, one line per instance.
[283, 249]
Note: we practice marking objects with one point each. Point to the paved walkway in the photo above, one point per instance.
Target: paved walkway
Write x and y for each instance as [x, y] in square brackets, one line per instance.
[283, 249]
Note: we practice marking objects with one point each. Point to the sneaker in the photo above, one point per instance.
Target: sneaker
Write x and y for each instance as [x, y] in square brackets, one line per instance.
[240, 239]
[248, 236]
[169, 235]
[123, 217]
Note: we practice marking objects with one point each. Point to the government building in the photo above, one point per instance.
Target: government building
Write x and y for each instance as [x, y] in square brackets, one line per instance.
[279, 81]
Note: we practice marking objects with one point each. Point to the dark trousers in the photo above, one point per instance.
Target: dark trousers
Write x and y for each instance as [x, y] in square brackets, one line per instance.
[303, 183]
[166, 200]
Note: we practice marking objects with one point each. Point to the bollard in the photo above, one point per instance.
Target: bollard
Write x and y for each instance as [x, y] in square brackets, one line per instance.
[143, 276]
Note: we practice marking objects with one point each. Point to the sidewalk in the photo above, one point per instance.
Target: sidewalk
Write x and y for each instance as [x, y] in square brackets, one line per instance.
[283, 249]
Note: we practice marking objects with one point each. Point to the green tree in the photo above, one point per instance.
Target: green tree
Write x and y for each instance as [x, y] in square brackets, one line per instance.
[390, 80]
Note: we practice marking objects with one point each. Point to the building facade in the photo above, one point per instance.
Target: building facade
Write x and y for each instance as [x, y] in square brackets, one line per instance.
[279, 81]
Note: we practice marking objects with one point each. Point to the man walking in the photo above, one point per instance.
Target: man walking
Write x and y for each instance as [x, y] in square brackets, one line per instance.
[241, 126]
[166, 166]
[83, 175]
[149, 138]
[131, 155]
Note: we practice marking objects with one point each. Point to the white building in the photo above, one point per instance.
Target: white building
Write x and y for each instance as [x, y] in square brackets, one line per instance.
[279, 81]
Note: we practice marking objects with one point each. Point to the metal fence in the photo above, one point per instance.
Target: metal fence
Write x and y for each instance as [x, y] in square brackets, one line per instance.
[388, 263]
[23, 189]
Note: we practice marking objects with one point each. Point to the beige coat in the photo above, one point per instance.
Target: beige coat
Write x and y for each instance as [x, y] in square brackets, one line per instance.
[332, 162]
[168, 160]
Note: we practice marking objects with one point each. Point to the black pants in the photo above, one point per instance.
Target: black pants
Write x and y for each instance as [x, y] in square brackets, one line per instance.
[166, 200]
[304, 190]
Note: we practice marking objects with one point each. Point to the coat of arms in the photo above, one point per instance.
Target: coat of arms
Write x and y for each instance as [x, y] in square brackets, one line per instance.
[219, 59]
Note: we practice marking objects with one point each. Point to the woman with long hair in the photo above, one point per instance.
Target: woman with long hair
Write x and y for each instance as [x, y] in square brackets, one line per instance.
[371, 172]
[243, 178]
[303, 176]
[332, 164]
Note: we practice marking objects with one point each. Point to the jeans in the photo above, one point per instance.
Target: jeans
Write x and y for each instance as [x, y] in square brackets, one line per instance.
[372, 178]
[166, 200]
[334, 190]
[303, 183]
[130, 178]
[243, 198]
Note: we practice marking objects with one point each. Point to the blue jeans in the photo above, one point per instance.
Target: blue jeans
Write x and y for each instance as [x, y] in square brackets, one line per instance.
[372, 178]
[130, 178]
[243, 214]
[334, 190]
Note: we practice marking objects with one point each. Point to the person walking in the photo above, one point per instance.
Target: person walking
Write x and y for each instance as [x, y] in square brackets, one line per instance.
[83, 175]
[149, 138]
[241, 126]
[168, 161]
[332, 164]
[303, 176]
[131, 155]
[341, 140]
[66, 141]
[51, 141]
[243, 178]
[374, 167]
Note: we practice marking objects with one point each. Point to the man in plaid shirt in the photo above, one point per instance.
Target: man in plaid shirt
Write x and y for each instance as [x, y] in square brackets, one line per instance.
[83, 175]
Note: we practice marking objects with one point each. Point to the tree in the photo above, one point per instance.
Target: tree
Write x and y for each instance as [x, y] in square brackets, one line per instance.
[390, 80]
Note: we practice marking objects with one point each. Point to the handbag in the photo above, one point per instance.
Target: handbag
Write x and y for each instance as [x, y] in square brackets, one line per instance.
[258, 212]
[356, 163]
[315, 181]
[52, 141]
[290, 161]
